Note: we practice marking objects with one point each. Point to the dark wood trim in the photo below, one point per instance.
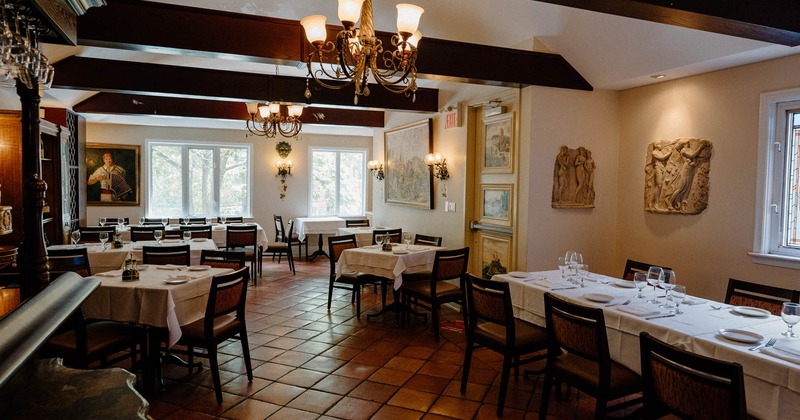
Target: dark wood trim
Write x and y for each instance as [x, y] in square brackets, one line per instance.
[774, 21]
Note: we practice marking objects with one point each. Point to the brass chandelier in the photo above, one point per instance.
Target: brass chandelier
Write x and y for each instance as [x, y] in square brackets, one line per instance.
[357, 53]
[267, 121]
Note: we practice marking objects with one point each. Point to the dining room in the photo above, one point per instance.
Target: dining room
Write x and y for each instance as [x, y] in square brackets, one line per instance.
[619, 123]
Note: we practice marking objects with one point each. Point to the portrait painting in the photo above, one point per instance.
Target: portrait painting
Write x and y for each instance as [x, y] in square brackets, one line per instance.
[112, 175]
[498, 144]
[495, 254]
[497, 204]
[409, 180]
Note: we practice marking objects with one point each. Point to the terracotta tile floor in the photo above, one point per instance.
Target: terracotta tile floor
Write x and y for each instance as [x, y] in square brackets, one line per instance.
[310, 363]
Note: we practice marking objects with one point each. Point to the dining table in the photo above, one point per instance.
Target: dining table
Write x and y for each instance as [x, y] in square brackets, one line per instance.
[318, 226]
[218, 232]
[705, 327]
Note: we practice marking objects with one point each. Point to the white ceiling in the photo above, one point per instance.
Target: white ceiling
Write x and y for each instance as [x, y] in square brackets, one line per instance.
[610, 52]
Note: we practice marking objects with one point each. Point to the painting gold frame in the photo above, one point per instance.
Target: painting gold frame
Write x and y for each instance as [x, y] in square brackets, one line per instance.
[497, 206]
[494, 253]
[409, 181]
[126, 157]
[497, 145]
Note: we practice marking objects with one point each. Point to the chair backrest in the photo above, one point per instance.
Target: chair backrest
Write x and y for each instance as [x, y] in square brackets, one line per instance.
[357, 223]
[289, 232]
[222, 259]
[280, 234]
[60, 261]
[92, 233]
[632, 267]
[144, 233]
[228, 294]
[420, 239]
[193, 221]
[450, 264]
[395, 234]
[771, 298]
[154, 221]
[231, 219]
[337, 245]
[688, 385]
[241, 236]
[162, 255]
[113, 220]
[198, 231]
[489, 301]
[579, 330]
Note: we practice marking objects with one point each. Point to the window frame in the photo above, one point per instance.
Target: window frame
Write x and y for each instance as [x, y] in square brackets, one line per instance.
[338, 150]
[771, 203]
[186, 145]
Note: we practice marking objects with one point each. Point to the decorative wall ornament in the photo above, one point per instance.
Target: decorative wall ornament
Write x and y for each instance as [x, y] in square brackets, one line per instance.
[573, 179]
[283, 148]
[676, 175]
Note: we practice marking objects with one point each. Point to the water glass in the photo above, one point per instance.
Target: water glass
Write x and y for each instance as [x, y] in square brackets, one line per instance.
[668, 282]
[654, 275]
[187, 235]
[562, 265]
[121, 222]
[407, 239]
[158, 234]
[141, 220]
[583, 273]
[678, 295]
[75, 236]
[103, 236]
[790, 315]
[640, 281]
[222, 219]
[102, 221]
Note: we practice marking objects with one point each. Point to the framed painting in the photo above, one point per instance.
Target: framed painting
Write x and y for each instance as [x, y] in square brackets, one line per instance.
[498, 145]
[498, 204]
[112, 174]
[409, 180]
[495, 254]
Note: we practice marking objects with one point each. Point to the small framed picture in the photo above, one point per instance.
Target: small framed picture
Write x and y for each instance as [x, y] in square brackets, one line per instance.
[498, 144]
[495, 254]
[113, 175]
[498, 204]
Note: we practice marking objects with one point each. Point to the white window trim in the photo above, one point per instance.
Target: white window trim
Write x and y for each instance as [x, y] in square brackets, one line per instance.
[765, 187]
[311, 151]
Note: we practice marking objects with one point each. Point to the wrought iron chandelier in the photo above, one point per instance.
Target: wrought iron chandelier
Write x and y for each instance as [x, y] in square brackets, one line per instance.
[267, 121]
[357, 53]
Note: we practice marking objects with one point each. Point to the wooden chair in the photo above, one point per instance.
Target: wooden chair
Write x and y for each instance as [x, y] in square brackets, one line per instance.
[163, 255]
[154, 221]
[420, 239]
[688, 385]
[60, 261]
[224, 319]
[283, 247]
[92, 233]
[222, 259]
[292, 238]
[577, 354]
[81, 343]
[193, 220]
[197, 231]
[144, 233]
[231, 219]
[357, 223]
[632, 267]
[491, 324]
[127, 221]
[245, 238]
[396, 235]
[447, 265]
[771, 298]
[351, 281]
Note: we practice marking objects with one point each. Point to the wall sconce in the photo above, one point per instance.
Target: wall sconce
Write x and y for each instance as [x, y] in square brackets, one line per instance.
[439, 165]
[376, 168]
[284, 168]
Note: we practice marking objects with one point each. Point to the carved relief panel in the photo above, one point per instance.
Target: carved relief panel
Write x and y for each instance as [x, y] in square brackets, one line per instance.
[573, 179]
[677, 176]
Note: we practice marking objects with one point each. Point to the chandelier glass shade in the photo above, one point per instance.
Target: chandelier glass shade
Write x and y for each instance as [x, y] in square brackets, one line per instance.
[357, 53]
[20, 55]
[267, 120]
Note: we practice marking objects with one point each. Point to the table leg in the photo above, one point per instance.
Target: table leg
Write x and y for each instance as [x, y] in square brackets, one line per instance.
[394, 306]
[318, 252]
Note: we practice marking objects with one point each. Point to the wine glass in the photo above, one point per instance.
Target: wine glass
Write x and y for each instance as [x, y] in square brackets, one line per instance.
[75, 236]
[165, 221]
[102, 221]
[791, 315]
[640, 281]
[583, 272]
[575, 260]
[187, 235]
[158, 234]
[407, 239]
[141, 220]
[379, 238]
[562, 265]
[103, 236]
[667, 282]
[653, 278]
[222, 219]
[678, 294]
[120, 222]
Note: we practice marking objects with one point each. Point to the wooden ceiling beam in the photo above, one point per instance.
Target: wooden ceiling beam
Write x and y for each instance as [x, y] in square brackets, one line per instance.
[127, 104]
[158, 27]
[113, 76]
[774, 21]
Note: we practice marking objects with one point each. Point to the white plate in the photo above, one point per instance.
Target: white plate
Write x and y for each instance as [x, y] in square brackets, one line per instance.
[598, 297]
[741, 336]
[751, 311]
[625, 283]
[168, 267]
[199, 239]
[142, 267]
[181, 277]
[519, 274]
[199, 267]
[176, 281]
[399, 251]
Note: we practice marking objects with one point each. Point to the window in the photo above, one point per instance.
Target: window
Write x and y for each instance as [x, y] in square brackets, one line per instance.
[777, 240]
[198, 179]
[338, 182]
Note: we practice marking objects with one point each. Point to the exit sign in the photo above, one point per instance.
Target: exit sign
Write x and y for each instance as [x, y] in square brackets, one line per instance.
[452, 116]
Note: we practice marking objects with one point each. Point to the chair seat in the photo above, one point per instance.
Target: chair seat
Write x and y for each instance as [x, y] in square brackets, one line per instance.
[444, 290]
[529, 337]
[102, 337]
[277, 245]
[353, 277]
[583, 373]
[224, 327]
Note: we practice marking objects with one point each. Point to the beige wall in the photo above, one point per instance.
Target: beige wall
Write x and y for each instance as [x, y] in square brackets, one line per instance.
[266, 201]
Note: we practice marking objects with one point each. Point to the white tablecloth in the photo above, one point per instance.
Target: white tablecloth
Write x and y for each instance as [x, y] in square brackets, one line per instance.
[372, 260]
[218, 232]
[318, 226]
[772, 385]
[150, 301]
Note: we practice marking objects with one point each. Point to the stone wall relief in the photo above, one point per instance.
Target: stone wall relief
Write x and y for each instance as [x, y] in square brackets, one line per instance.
[677, 175]
[573, 179]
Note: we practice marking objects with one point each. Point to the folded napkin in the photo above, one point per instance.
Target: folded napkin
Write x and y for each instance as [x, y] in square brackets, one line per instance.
[181, 277]
[783, 351]
[541, 282]
[693, 301]
[170, 267]
[598, 278]
[637, 310]
[200, 239]
[114, 273]
[170, 241]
